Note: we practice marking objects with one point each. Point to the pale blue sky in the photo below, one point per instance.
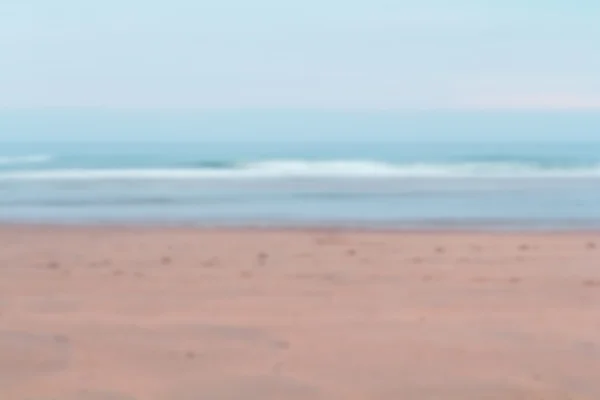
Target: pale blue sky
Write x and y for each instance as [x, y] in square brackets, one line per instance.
[310, 54]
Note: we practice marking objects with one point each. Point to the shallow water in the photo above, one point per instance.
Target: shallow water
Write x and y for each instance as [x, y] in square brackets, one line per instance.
[535, 185]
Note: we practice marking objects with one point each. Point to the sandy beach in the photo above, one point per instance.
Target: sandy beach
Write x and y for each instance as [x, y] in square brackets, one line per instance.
[184, 314]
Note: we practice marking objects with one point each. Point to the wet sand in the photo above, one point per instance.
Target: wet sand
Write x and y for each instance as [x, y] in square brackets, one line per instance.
[182, 314]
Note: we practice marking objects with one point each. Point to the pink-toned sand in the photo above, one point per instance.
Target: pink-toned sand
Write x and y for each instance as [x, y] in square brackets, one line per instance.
[181, 314]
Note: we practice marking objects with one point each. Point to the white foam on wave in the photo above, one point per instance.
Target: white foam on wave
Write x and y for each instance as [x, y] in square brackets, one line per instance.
[314, 169]
[22, 160]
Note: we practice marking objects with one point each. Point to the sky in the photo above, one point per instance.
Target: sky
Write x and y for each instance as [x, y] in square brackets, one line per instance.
[309, 54]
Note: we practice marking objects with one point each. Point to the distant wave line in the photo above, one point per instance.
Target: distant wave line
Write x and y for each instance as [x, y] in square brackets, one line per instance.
[29, 159]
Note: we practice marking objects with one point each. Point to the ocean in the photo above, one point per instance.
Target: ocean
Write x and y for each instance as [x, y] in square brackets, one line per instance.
[316, 183]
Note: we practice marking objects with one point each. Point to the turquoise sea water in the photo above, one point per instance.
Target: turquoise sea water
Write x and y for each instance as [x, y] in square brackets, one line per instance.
[377, 183]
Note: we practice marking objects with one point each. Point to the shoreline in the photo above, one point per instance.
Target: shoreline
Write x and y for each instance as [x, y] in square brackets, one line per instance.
[300, 228]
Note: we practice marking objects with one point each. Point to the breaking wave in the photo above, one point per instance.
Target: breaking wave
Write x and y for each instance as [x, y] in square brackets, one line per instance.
[281, 169]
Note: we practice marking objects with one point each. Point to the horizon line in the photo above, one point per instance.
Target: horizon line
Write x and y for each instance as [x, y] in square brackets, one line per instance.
[305, 109]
